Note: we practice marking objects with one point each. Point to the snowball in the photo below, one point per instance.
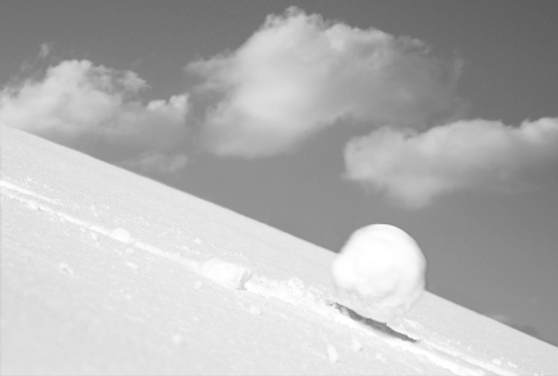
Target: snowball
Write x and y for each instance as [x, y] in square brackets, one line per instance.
[225, 273]
[382, 266]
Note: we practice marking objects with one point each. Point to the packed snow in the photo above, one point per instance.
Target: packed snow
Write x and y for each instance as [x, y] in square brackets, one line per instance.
[111, 279]
[225, 273]
[384, 266]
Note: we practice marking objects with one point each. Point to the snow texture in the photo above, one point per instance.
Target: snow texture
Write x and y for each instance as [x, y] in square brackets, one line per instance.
[384, 266]
[100, 275]
[225, 273]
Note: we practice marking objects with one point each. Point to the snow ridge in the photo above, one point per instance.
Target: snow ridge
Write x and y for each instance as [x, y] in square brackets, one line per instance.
[240, 278]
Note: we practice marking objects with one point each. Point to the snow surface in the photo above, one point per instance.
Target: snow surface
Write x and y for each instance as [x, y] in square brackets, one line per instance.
[383, 265]
[106, 272]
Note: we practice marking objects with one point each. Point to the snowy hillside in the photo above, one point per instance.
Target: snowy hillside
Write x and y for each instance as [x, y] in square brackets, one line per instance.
[106, 272]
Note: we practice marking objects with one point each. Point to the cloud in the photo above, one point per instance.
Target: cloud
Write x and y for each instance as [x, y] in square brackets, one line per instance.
[413, 167]
[299, 74]
[45, 50]
[79, 103]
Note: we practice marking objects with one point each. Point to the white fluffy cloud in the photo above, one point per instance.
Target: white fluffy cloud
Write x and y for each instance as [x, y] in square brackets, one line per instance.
[299, 74]
[414, 167]
[77, 100]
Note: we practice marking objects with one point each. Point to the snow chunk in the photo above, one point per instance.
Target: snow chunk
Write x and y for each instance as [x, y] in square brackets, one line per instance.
[33, 205]
[177, 339]
[356, 346]
[380, 357]
[332, 354]
[132, 265]
[121, 235]
[198, 285]
[383, 266]
[254, 311]
[94, 236]
[227, 274]
[66, 269]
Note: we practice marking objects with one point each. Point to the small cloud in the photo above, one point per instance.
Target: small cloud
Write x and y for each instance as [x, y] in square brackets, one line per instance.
[97, 108]
[413, 167]
[45, 50]
[300, 74]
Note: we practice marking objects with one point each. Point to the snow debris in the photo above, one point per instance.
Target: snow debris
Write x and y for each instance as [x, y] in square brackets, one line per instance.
[296, 286]
[94, 210]
[129, 250]
[121, 235]
[380, 357]
[254, 310]
[33, 205]
[412, 324]
[356, 346]
[132, 265]
[65, 269]
[383, 266]
[177, 338]
[332, 354]
[227, 274]
[198, 241]
[198, 285]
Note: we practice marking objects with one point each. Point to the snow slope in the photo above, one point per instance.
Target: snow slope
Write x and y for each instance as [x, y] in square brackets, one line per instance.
[107, 272]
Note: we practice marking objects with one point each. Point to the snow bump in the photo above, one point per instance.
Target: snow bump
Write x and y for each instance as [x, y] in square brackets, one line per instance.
[121, 235]
[66, 269]
[226, 274]
[356, 346]
[332, 354]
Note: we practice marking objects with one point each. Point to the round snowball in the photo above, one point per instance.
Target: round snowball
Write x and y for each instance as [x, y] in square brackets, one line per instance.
[384, 266]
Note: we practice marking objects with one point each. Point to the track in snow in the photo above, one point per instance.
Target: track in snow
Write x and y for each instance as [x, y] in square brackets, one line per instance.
[292, 291]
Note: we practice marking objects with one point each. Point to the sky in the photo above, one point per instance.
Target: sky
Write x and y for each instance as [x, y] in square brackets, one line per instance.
[320, 117]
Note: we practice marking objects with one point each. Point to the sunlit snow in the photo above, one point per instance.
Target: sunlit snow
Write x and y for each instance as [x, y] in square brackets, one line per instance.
[94, 291]
[384, 266]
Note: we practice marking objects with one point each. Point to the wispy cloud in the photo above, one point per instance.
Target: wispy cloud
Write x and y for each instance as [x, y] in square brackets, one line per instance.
[413, 167]
[77, 100]
[299, 74]
[45, 50]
